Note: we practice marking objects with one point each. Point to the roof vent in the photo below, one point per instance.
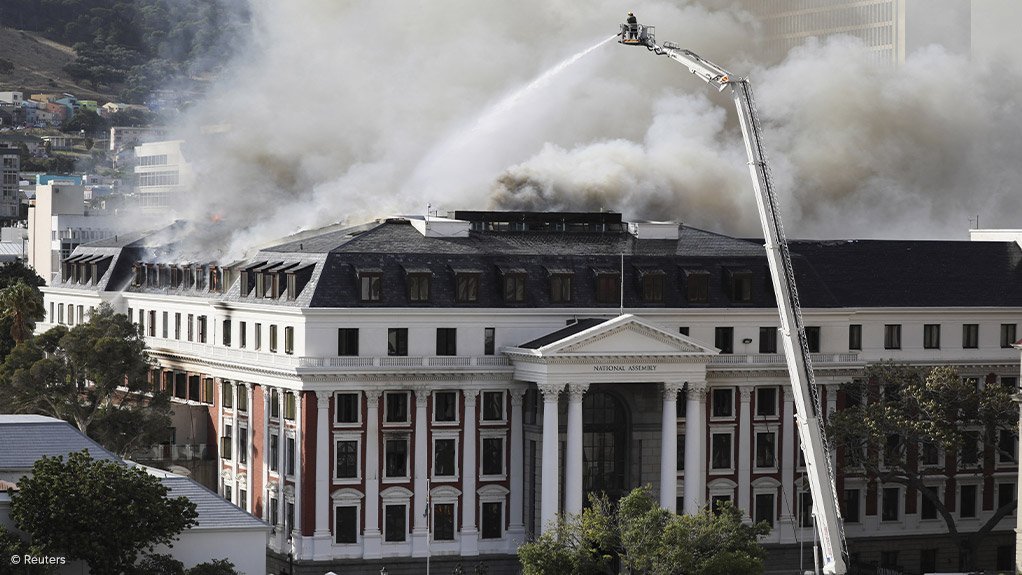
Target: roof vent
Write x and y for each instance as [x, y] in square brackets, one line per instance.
[434, 227]
[654, 230]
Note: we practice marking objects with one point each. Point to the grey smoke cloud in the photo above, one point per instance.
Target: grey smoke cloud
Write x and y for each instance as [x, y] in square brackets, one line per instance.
[354, 110]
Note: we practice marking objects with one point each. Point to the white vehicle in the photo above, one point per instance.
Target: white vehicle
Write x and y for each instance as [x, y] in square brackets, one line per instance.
[809, 415]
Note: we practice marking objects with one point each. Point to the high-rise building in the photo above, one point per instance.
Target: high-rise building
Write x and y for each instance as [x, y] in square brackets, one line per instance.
[10, 199]
[160, 173]
[891, 29]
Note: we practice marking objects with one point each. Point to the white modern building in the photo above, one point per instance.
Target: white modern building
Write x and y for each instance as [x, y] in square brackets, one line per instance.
[161, 173]
[508, 364]
[58, 223]
[10, 199]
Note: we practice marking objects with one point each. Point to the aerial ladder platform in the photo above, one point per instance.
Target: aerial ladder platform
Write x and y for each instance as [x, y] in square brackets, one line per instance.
[809, 417]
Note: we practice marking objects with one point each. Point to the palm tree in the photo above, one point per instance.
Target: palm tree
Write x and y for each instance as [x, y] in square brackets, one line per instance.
[23, 304]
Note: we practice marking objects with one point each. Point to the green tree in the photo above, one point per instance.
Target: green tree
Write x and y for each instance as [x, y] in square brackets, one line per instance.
[94, 375]
[101, 512]
[11, 273]
[214, 567]
[22, 304]
[6, 66]
[643, 539]
[86, 120]
[159, 564]
[901, 420]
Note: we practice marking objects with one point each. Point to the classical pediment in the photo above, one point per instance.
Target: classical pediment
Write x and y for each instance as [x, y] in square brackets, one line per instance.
[621, 336]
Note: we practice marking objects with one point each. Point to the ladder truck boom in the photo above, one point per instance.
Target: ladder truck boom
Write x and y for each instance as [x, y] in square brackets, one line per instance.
[809, 416]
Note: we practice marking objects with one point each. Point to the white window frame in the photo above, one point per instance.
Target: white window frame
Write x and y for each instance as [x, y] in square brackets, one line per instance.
[395, 496]
[493, 494]
[999, 460]
[227, 481]
[722, 431]
[880, 504]
[408, 408]
[939, 488]
[408, 455]
[756, 430]
[457, 406]
[503, 407]
[862, 498]
[977, 501]
[358, 416]
[347, 497]
[444, 495]
[766, 486]
[940, 458]
[721, 487]
[711, 392]
[777, 407]
[357, 438]
[483, 436]
[290, 434]
[446, 435]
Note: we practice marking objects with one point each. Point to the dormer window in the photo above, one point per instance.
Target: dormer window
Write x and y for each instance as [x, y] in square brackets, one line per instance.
[418, 284]
[560, 284]
[652, 285]
[738, 285]
[608, 286]
[513, 280]
[697, 286]
[370, 284]
[467, 285]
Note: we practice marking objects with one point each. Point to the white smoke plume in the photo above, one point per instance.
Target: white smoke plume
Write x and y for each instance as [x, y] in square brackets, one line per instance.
[353, 110]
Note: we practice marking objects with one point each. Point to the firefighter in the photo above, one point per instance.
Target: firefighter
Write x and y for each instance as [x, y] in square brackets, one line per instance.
[633, 26]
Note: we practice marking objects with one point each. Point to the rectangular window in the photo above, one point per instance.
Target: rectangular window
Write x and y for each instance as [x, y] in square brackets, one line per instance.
[681, 452]
[274, 462]
[443, 522]
[970, 336]
[766, 401]
[739, 285]
[653, 287]
[290, 455]
[227, 443]
[445, 406]
[346, 459]
[968, 502]
[347, 341]
[697, 286]
[768, 340]
[931, 336]
[766, 449]
[813, 338]
[242, 335]
[397, 341]
[855, 337]
[347, 407]
[1005, 494]
[177, 326]
[493, 406]
[929, 454]
[227, 394]
[683, 330]
[242, 445]
[1006, 446]
[396, 407]
[723, 404]
[970, 450]
[445, 454]
[720, 456]
[560, 288]
[191, 327]
[418, 287]
[369, 286]
[492, 520]
[805, 509]
[395, 523]
[242, 399]
[289, 340]
[227, 333]
[764, 509]
[289, 406]
[892, 336]
[467, 287]
[346, 524]
[489, 341]
[724, 339]
[608, 287]
[927, 507]
[207, 391]
[446, 341]
[493, 456]
[152, 320]
[202, 329]
[165, 325]
[1008, 337]
[396, 458]
[257, 334]
[890, 504]
[514, 287]
[273, 338]
[850, 509]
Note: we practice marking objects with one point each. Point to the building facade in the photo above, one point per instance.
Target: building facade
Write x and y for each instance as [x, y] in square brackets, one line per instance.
[58, 223]
[161, 172]
[10, 176]
[496, 368]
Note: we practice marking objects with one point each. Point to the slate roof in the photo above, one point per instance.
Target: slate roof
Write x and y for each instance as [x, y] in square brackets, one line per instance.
[577, 327]
[214, 511]
[829, 274]
[28, 438]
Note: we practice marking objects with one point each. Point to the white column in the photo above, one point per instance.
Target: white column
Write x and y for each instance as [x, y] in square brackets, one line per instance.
[299, 455]
[695, 441]
[281, 471]
[788, 460]
[420, 530]
[573, 455]
[516, 527]
[469, 471]
[832, 391]
[1018, 485]
[669, 448]
[321, 547]
[372, 539]
[235, 441]
[250, 456]
[551, 448]
[745, 451]
[265, 452]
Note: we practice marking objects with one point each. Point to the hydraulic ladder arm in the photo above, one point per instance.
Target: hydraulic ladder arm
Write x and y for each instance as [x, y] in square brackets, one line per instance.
[809, 415]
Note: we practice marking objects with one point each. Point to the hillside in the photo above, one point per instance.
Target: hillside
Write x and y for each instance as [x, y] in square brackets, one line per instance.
[39, 66]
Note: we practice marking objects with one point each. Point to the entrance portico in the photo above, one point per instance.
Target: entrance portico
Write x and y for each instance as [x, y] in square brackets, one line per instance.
[625, 351]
